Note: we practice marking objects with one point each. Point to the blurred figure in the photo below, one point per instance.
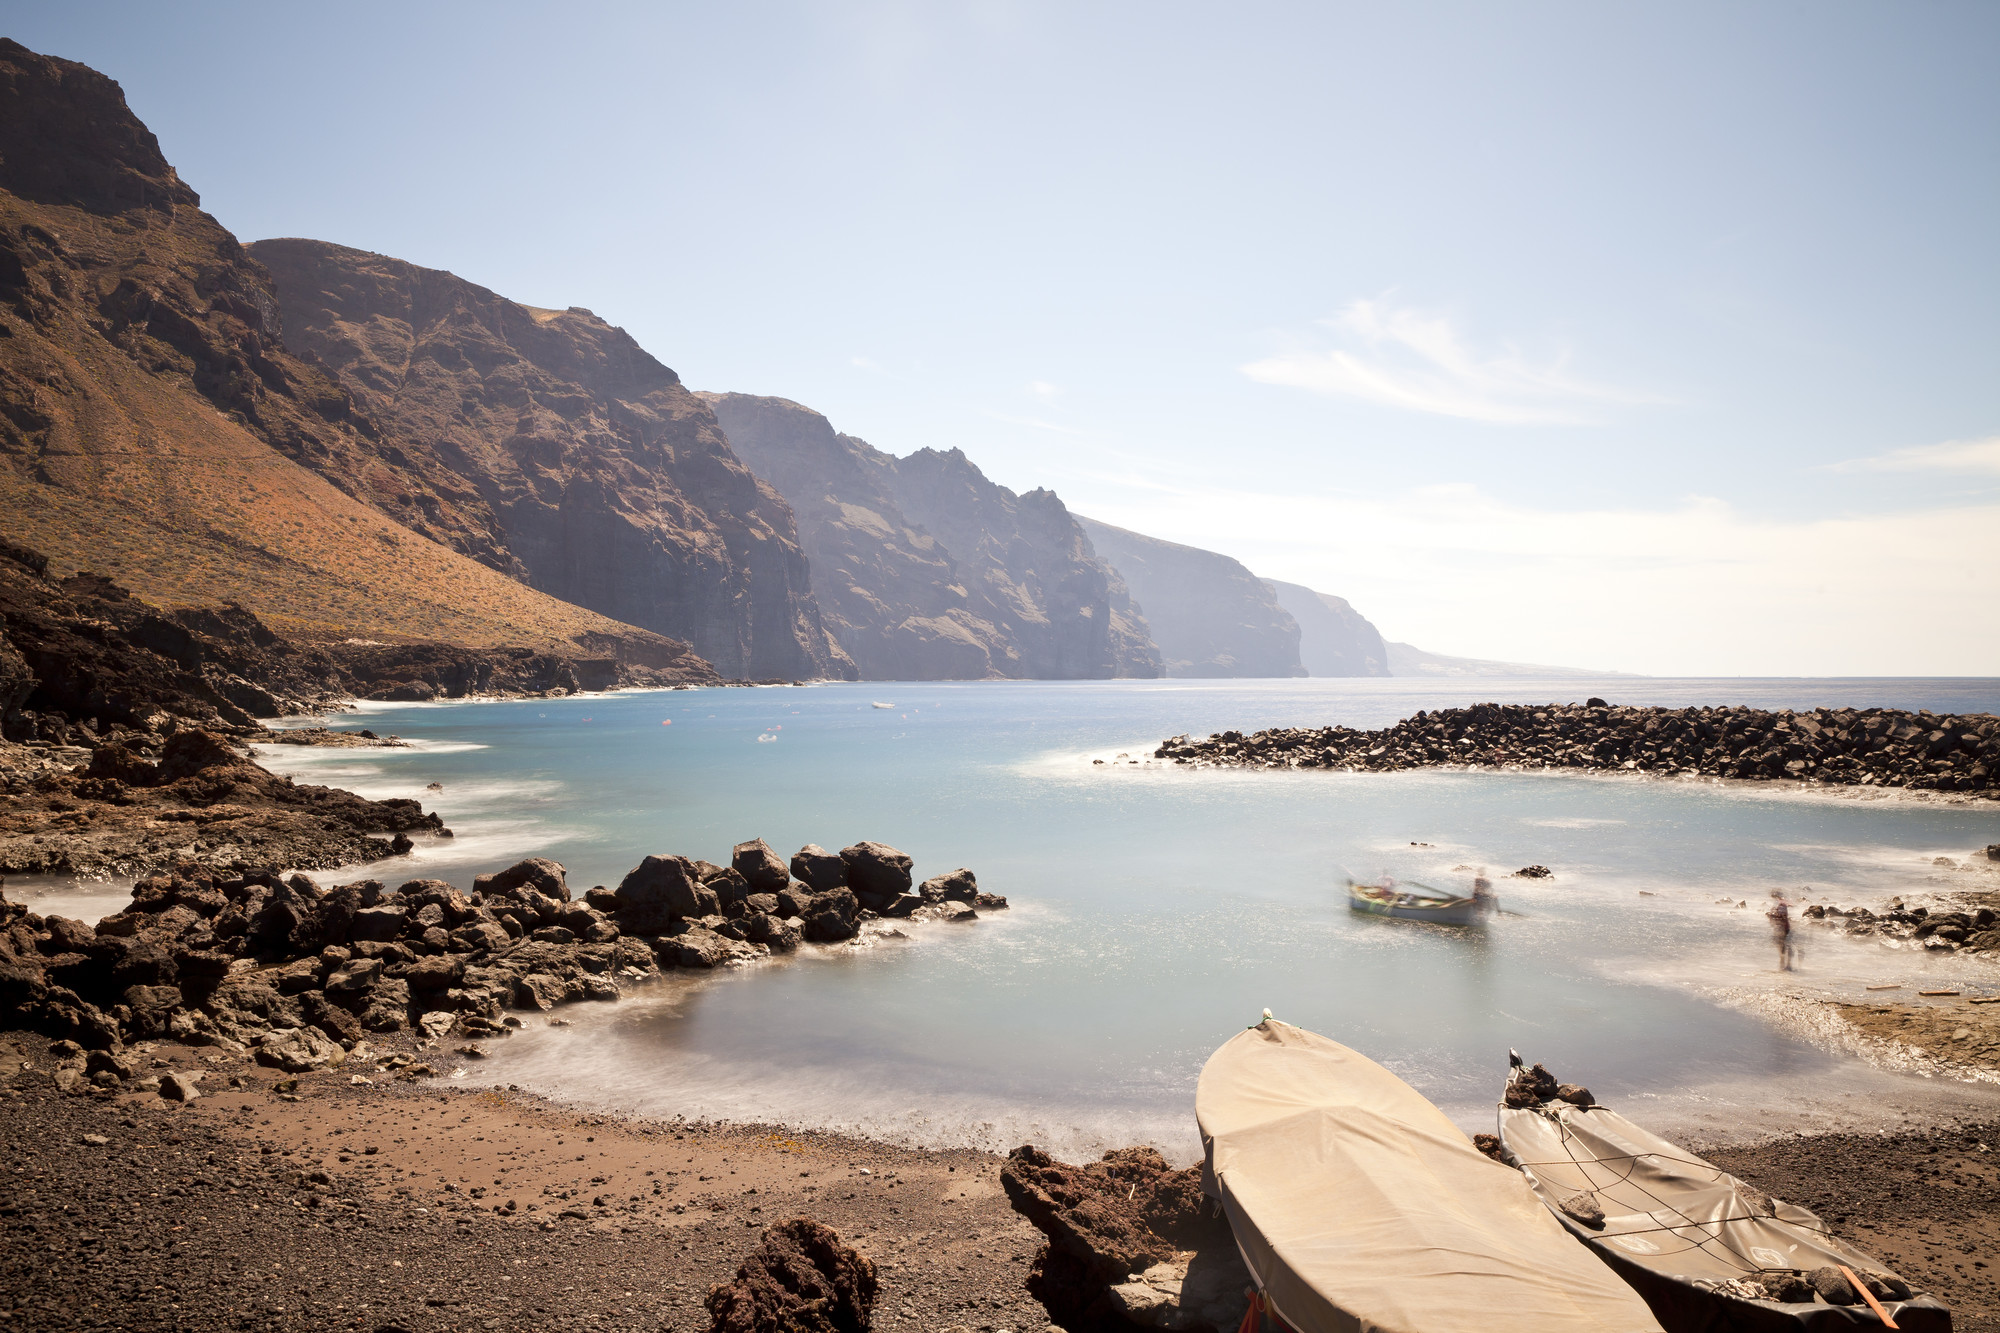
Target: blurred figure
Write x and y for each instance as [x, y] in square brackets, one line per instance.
[1780, 917]
[1482, 892]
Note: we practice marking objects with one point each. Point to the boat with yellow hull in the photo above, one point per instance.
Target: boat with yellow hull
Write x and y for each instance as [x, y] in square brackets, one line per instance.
[1414, 902]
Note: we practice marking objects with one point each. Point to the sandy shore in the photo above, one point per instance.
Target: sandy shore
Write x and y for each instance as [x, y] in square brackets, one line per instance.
[328, 1203]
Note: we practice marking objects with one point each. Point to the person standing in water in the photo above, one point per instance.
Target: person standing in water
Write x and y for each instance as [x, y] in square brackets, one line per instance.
[1482, 892]
[1780, 917]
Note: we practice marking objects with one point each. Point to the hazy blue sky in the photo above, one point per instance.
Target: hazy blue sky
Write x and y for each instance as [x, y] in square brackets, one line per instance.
[1658, 339]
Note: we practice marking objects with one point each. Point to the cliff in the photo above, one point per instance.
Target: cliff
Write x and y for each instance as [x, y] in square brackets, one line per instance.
[572, 459]
[153, 426]
[1209, 615]
[1334, 638]
[926, 570]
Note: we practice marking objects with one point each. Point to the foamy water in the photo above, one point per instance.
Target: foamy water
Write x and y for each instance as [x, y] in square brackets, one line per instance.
[1160, 909]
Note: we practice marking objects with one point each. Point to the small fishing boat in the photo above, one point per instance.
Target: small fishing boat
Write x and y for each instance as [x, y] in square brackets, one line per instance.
[1357, 1204]
[879, 704]
[1708, 1252]
[1413, 902]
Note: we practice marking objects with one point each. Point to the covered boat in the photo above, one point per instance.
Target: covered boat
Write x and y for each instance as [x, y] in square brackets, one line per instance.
[1413, 902]
[1710, 1253]
[1358, 1206]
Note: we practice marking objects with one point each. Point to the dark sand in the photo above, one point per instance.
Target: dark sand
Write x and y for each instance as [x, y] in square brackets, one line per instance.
[1927, 1203]
[205, 1215]
[373, 1206]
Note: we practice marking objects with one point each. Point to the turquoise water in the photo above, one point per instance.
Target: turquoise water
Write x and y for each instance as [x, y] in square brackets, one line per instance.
[1157, 910]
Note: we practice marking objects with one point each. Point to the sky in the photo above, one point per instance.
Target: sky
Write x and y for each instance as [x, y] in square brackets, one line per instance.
[1655, 338]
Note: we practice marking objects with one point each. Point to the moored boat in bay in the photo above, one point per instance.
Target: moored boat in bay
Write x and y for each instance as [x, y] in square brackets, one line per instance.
[1414, 902]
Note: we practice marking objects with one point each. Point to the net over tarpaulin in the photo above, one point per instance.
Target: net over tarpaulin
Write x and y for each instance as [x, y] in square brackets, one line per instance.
[1359, 1206]
[1672, 1221]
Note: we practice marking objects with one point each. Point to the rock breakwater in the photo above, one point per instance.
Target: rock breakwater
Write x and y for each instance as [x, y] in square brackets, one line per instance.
[1881, 747]
[274, 964]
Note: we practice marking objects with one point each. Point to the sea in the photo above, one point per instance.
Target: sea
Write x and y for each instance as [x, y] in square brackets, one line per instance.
[1156, 910]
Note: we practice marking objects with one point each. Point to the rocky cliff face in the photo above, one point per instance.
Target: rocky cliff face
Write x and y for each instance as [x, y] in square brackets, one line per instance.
[576, 461]
[926, 570]
[1209, 615]
[1334, 638]
[153, 426]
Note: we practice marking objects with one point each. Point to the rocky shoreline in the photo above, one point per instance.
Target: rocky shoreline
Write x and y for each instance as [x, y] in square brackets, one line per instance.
[275, 968]
[1969, 926]
[130, 806]
[1860, 747]
[83, 661]
[122, 726]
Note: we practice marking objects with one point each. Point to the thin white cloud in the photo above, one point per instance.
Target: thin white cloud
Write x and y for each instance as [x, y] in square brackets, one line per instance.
[1400, 357]
[1695, 587]
[1951, 456]
[1037, 423]
[1041, 389]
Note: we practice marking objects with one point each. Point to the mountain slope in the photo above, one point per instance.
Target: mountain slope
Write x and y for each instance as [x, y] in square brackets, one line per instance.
[926, 570]
[589, 471]
[1334, 638]
[1209, 615]
[153, 426]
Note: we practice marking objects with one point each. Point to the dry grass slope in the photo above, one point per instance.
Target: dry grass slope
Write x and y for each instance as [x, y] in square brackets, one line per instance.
[144, 481]
[154, 427]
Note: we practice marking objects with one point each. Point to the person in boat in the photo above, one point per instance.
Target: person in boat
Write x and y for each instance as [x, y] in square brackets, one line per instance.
[1780, 917]
[1482, 893]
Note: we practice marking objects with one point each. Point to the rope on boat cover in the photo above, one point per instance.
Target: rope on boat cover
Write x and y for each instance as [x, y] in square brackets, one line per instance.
[1631, 1160]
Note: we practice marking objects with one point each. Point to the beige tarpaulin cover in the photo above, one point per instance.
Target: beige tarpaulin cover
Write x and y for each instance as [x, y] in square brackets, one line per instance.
[1359, 1206]
[1671, 1219]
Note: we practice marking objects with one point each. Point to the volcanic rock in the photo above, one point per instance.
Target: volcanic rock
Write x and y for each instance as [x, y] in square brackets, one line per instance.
[1127, 1213]
[760, 866]
[298, 1050]
[817, 868]
[660, 888]
[1833, 1286]
[1845, 746]
[537, 873]
[876, 870]
[800, 1279]
[957, 885]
